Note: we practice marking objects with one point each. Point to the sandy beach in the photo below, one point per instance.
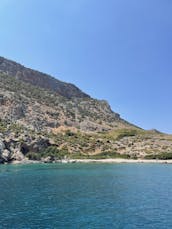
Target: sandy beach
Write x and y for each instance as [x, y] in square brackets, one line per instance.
[117, 160]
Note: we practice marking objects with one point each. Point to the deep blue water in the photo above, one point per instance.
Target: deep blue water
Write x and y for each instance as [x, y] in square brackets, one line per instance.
[86, 196]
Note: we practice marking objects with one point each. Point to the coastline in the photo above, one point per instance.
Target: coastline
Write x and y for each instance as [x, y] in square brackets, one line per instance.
[109, 161]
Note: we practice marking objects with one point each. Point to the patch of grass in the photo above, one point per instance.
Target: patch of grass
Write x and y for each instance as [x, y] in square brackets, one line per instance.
[127, 133]
[104, 155]
[160, 156]
[121, 133]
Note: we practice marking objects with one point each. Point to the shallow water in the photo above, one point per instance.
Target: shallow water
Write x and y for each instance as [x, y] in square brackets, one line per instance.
[86, 196]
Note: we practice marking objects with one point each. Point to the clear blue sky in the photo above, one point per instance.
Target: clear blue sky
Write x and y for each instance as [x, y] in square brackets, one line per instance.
[118, 50]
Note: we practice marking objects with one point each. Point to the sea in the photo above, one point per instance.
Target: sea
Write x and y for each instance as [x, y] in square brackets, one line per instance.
[86, 196]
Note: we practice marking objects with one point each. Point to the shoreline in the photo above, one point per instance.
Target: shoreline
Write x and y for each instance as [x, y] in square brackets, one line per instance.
[119, 160]
[108, 161]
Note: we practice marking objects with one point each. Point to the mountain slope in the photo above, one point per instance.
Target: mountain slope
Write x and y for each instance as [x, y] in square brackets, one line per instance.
[41, 102]
[41, 109]
[39, 79]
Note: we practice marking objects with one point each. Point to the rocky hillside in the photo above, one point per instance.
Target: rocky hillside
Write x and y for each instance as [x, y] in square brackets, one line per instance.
[39, 109]
[41, 102]
[39, 79]
[42, 118]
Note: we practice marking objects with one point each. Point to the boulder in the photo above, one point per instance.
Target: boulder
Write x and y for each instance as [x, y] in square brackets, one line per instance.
[47, 159]
[6, 155]
[17, 155]
[2, 146]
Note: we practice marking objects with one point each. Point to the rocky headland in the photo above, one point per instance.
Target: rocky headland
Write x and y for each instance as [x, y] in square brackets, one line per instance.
[44, 119]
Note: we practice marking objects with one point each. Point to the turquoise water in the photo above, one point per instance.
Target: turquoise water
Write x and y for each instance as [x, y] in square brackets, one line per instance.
[86, 196]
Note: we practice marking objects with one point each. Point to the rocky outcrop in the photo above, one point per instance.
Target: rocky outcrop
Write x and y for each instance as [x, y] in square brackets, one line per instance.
[10, 151]
[17, 150]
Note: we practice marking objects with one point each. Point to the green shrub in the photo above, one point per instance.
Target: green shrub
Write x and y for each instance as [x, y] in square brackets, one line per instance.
[161, 156]
[104, 155]
[34, 156]
[54, 152]
[69, 133]
[126, 133]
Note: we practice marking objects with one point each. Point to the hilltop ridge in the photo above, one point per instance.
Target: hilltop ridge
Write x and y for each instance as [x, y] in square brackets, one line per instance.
[40, 79]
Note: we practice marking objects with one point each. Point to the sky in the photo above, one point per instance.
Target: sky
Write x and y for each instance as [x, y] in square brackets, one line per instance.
[117, 50]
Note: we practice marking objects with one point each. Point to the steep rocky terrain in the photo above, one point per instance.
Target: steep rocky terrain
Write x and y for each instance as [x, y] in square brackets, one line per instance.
[42, 118]
[39, 79]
